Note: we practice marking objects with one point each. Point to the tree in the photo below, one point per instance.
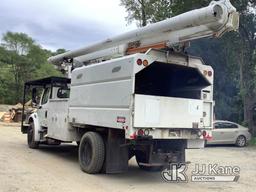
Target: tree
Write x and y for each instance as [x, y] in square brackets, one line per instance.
[21, 59]
[18, 42]
[146, 11]
[247, 64]
[59, 51]
[136, 11]
[151, 11]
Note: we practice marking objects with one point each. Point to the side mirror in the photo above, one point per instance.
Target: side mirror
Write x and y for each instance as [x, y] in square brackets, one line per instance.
[34, 95]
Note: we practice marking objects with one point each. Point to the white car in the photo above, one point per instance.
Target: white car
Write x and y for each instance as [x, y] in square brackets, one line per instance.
[226, 132]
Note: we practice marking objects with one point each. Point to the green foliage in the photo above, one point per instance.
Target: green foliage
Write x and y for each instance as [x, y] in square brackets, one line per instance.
[59, 51]
[21, 59]
[18, 42]
[253, 141]
[147, 11]
[151, 11]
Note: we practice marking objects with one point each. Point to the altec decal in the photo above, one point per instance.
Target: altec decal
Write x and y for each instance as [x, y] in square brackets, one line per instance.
[120, 120]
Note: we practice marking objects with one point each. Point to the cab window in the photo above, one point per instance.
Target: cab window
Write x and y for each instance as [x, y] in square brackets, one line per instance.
[46, 95]
[63, 92]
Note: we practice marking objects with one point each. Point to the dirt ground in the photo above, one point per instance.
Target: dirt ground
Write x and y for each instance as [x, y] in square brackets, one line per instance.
[5, 108]
[55, 168]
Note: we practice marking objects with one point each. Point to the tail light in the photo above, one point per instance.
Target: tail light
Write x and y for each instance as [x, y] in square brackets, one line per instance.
[139, 62]
[209, 73]
[204, 134]
[145, 63]
[140, 132]
[133, 136]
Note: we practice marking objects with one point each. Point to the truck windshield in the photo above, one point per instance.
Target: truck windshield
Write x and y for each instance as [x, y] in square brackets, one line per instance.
[169, 80]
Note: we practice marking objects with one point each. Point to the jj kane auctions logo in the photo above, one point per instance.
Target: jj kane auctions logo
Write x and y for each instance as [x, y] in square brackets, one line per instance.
[201, 173]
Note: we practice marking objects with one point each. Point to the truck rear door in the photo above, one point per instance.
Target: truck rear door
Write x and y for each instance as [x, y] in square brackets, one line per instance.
[169, 96]
[155, 111]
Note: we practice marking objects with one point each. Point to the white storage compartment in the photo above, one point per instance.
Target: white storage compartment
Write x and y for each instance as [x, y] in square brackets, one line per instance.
[167, 112]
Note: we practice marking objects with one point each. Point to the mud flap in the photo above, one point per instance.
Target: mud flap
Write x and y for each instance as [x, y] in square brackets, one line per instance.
[24, 128]
[116, 152]
[161, 152]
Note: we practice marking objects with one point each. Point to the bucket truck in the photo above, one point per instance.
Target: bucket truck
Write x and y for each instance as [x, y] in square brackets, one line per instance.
[136, 94]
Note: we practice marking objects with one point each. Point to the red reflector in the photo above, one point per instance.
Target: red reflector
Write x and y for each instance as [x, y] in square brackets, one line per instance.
[139, 62]
[209, 73]
[208, 138]
[140, 132]
[120, 119]
[133, 136]
[145, 63]
[204, 133]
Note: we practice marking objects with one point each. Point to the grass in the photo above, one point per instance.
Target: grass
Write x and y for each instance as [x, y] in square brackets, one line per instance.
[253, 141]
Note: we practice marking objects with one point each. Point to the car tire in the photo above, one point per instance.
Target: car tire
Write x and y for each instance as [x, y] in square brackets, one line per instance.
[31, 137]
[91, 153]
[241, 141]
[205, 143]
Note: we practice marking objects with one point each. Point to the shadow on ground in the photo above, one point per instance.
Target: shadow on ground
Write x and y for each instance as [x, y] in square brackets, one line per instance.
[69, 153]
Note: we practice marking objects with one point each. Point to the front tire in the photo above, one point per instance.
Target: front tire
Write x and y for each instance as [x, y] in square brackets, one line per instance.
[91, 152]
[241, 141]
[31, 137]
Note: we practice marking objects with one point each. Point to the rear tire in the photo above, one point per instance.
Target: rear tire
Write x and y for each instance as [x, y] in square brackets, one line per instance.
[31, 137]
[241, 141]
[91, 153]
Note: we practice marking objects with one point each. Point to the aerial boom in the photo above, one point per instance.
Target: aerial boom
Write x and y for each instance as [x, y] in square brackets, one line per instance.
[211, 21]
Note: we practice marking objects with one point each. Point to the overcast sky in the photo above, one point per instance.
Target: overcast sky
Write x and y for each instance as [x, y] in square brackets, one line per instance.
[65, 24]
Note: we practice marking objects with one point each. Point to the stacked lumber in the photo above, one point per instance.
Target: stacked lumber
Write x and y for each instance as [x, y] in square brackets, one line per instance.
[7, 117]
[14, 113]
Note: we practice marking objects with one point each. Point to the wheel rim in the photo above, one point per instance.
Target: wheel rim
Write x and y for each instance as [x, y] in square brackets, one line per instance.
[87, 154]
[241, 141]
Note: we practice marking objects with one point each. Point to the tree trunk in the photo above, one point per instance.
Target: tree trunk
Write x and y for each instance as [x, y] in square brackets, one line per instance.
[250, 113]
[143, 14]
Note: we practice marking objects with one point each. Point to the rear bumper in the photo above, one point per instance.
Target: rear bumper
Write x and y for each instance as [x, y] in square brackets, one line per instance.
[166, 133]
[248, 137]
